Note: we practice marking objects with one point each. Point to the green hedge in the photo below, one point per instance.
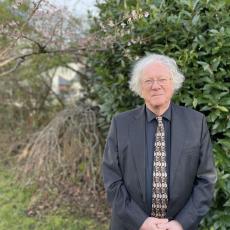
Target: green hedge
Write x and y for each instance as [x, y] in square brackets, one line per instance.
[197, 35]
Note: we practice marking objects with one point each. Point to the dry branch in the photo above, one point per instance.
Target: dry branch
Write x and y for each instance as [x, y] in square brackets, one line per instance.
[65, 150]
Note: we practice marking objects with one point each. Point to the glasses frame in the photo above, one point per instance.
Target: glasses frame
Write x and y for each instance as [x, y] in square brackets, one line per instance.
[161, 81]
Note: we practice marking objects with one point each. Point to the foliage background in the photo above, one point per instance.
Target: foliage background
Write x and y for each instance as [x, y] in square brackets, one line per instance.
[197, 35]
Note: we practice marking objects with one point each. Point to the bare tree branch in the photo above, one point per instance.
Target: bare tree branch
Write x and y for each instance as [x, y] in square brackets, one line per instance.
[52, 91]
[76, 71]
[41, 47]
[36, 7]
[19, 62]
[55, 153]
[76, 51]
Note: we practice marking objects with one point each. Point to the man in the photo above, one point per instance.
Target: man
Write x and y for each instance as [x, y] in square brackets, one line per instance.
[158, 167]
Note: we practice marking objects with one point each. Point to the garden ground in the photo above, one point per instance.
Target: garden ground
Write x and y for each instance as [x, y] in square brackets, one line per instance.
[14, 213]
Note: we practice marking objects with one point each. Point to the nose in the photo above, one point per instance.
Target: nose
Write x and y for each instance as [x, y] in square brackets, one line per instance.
[155, 85]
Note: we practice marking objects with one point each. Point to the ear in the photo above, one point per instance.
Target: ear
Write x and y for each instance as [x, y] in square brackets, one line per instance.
[140, 93]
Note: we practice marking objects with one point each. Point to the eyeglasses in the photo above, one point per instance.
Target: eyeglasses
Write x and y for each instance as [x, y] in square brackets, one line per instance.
[160, 81]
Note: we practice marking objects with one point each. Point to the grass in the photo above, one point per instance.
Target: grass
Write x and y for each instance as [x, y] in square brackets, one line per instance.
[14, 201]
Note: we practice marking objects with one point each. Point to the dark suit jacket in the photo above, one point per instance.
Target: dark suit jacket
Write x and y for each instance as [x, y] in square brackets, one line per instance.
[192, 171]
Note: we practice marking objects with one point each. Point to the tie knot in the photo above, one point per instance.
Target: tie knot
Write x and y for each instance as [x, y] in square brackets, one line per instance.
[159, 119]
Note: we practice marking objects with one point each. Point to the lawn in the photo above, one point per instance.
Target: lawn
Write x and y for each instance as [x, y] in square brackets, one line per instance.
[14, 201]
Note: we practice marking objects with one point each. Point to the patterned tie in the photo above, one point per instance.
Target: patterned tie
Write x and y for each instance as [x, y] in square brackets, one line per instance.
[160, 188]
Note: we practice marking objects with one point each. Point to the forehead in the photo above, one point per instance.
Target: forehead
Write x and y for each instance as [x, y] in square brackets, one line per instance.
[156, 69]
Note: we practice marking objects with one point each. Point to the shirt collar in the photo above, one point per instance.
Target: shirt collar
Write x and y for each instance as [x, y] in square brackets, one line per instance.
[151, 115]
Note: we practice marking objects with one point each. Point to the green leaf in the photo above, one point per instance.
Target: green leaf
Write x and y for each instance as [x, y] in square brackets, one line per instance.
[222, 108]
[195, 19]
[194, 103]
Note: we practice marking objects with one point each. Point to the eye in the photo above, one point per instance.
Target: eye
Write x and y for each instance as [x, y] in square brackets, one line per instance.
[148, 82]
[162, 80]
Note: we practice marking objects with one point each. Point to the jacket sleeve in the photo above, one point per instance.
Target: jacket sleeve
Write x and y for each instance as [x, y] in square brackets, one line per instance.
[123, 206]
[202, 194]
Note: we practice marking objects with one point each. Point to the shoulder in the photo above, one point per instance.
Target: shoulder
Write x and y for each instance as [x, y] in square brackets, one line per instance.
[186, 111]
[121, 121]
[129, 114]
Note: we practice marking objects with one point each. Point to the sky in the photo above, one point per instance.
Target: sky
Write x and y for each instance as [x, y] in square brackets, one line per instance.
[77, 7]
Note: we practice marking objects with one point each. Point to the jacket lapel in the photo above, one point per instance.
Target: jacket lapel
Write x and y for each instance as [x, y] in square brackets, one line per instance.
[178, 133]
[137, 136]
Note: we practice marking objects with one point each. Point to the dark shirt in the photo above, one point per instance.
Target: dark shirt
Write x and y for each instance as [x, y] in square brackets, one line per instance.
[150, 129]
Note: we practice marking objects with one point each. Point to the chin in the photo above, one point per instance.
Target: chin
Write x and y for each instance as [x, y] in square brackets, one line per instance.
[158, 103]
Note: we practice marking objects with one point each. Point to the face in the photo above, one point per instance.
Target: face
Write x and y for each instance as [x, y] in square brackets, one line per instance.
[156, 86]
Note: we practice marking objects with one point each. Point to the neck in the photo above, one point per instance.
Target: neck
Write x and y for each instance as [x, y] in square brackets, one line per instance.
[158, 110]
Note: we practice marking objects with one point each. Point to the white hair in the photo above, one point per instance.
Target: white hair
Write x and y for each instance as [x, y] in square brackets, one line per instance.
[139, 66]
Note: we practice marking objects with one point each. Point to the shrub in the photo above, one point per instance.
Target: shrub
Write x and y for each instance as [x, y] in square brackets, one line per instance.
[196, 34]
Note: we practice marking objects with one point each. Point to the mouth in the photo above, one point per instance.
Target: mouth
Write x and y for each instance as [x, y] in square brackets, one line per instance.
[157, 95]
